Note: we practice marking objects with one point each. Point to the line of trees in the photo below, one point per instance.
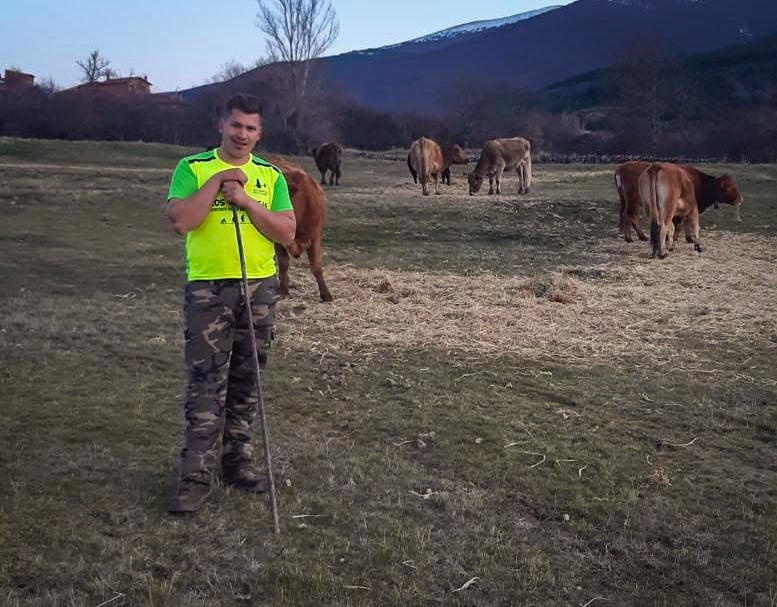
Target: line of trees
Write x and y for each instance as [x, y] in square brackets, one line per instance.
[747, 133]
[651, 106]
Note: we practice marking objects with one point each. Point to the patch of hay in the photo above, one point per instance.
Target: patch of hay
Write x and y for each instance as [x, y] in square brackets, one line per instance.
[630, 306]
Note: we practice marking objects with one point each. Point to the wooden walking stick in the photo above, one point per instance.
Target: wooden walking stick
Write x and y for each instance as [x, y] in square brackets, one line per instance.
[257, 375]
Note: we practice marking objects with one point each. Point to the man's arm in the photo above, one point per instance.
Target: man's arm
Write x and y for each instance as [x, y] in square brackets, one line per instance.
[185, 214]
[279, 227]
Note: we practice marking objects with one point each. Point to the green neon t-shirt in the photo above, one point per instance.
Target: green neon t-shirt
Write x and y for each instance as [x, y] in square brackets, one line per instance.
[211, 248]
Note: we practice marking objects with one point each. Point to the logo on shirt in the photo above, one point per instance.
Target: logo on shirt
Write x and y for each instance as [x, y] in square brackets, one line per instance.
[259, 187]
[243, 219]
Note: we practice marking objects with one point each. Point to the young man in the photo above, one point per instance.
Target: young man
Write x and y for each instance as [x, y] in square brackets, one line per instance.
[221, 398]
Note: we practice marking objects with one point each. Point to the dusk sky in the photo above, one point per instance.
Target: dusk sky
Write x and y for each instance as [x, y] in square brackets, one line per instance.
[181, 44]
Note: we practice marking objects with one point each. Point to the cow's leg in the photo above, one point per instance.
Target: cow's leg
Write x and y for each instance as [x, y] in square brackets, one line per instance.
[338, 175]
[314, 257]
[640, 233]
[671, 235]
[630, 218]
[527, 174]
[692, 225]
[498, 180]
[662, 236]
[331, 177]
[436, 184]
[626, 228]
[424, 179]
[323, 177]
[490, 183]
[624, 223]
[521, 178]
[688, 232]
[630, 222]
[283, 268]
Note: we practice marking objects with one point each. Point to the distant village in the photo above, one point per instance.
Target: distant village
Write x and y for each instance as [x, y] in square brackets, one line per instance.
[127, 86]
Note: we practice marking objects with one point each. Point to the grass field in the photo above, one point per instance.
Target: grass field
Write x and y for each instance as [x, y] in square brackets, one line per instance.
[506, 404]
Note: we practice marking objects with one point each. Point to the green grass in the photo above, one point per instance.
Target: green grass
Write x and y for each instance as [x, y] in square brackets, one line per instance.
[396, 449]
[101, 153]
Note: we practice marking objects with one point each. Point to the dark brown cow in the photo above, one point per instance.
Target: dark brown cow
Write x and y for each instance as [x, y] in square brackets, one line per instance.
[328, 157]
[673, 194]
[451, 154]
[413, 172]
[309, 202]
[426, 160]
[627, 184]
[497, 156]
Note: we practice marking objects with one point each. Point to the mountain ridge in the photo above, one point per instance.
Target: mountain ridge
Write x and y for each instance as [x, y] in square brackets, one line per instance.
[533, 53]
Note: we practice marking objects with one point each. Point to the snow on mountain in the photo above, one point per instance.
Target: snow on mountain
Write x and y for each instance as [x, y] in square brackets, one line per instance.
[446, 36]
[479, 26]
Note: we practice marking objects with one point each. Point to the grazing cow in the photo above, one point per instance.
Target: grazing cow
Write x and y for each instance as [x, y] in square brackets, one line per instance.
[426, 160]
[627, 184]
[328, 157]
[451, 154]
[497, 156]
[309, 202]
[673, 196]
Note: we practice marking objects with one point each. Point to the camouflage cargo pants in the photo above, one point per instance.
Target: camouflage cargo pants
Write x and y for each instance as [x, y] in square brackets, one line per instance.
[221, 399]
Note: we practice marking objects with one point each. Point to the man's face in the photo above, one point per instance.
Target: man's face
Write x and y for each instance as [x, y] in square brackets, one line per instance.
[239, 133]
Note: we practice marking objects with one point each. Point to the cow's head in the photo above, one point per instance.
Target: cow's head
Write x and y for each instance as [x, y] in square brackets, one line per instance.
[457, 155]
[475, 181]
[727, 191]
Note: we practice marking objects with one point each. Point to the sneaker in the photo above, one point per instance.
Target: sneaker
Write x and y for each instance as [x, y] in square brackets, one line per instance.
[244, 479]
[188, 497]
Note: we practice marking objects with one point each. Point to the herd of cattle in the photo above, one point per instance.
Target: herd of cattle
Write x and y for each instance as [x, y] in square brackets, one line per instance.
[672, 196]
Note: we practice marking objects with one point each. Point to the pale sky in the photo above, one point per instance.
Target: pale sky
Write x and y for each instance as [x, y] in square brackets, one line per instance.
[179, 44]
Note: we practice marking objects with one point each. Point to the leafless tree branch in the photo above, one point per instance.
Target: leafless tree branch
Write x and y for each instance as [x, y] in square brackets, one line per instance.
[94, 66]
[297, 31]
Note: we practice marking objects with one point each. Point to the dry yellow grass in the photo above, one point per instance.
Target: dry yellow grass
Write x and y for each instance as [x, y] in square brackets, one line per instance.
[636, 307]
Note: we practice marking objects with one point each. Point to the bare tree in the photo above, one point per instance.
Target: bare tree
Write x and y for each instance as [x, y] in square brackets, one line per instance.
[233, 68]
[48, 86]
[94, 66]
[297, 31]
[227, 71]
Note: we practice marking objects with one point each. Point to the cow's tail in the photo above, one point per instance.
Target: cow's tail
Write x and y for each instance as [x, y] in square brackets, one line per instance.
[422, 161]
[655, 211]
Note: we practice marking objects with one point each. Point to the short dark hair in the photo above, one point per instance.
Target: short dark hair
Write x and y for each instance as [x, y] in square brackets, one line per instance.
[248, 104]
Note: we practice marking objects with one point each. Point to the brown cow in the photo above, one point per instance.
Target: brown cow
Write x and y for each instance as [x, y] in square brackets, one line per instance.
[309, 202]
[328, 157]
[426, 160]
[497, 156]
[673, 194]
[627, 184]
[451, 154]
